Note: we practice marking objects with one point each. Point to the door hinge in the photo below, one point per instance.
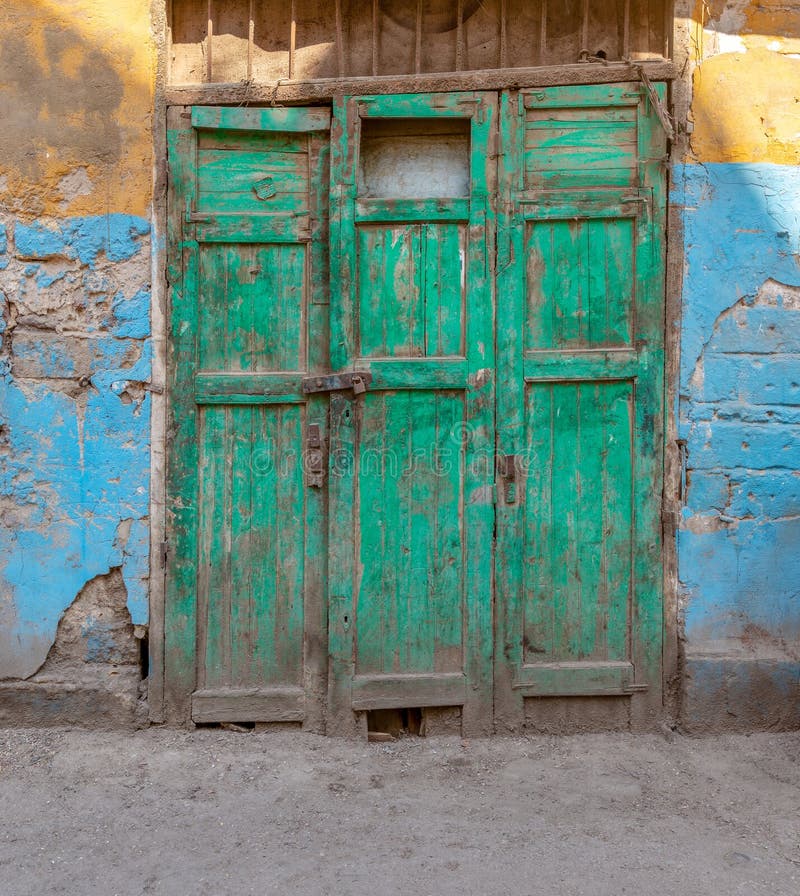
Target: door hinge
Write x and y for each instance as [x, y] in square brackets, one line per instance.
[337, 382]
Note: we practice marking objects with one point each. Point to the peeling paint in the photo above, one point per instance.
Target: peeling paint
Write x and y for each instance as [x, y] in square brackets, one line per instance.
[76, 101]
[74, 413]
[746, 108]
[740, 407]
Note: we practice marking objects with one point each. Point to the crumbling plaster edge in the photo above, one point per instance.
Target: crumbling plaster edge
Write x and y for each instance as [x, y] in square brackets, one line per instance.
[159, 330]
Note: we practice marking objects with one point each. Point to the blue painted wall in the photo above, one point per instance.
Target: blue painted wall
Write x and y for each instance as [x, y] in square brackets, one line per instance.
[739, 407]
[74, 422]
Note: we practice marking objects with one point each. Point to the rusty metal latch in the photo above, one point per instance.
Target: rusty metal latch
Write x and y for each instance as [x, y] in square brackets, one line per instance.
[337, 382]
[507, 470]
[658, 107]
[314, 458]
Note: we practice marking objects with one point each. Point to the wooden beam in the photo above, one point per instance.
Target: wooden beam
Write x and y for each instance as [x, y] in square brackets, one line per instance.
[585, 28]
[460, 37]
[339, 39]
[292, 37]
[626, 31]
[375, 21]
[543, 33]
[249, 705]
[503, 33]
[251, 30]
[418, 40]
[492, 79]
[209, 41]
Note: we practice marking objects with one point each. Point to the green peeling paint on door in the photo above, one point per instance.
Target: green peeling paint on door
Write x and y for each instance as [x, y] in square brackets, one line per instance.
[580, 406]
[245, 625]
[436, 526]
[412, 519]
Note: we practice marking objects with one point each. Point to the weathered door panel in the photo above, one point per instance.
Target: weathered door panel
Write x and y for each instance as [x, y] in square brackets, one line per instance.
[580, 407]
[245, 602]
[411, 500]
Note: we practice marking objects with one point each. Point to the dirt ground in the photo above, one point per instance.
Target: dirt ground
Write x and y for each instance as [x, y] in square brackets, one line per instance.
[221, 812]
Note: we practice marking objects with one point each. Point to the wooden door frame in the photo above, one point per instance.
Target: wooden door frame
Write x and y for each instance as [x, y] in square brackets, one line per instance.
[174, 101]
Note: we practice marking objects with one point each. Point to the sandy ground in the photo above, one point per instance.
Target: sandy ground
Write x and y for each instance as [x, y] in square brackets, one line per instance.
[220, 812]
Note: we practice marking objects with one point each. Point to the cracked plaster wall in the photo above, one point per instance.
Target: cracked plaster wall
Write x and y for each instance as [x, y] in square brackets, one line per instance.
[738, 193]
[76, 100]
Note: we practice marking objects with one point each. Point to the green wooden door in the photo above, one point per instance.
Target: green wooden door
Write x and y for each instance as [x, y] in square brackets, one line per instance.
[442, 488]
[246, 523]
[411, 498]
[580, 408]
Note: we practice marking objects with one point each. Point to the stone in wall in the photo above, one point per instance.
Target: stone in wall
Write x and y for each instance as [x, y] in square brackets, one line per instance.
[92, 673]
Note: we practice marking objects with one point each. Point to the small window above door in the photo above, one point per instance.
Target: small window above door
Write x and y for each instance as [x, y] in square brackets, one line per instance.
[420, 158]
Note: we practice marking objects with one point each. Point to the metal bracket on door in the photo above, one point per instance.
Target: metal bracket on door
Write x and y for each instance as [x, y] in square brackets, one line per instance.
[314, 457]
[337, 382]
[507, 470]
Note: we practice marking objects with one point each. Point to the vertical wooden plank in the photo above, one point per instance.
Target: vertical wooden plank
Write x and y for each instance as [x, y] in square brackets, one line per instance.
[647, 614]
[317, 337]
[512, 321]
[390, 296]
[290, 544]
[558, 273]
[418, 39]
[342, 535]
[342, 720]
[400, 591]
[180, 611]
[626, 30]
[564, 558]
[377, 596]
[214, 561]
[209, 42]
[585, 28]
[460, 36]
[620, 471]
[540, 518]
[375, 37]
[443, 248]
[503, 42]
[449, 541]
[543, 34]
[345, 133]
[265, 465]
[339, 39]
[242, 558]
[610, 285]
[250, 39]
[478, 509]
[236, 262]
[593, 450]
[292, 37]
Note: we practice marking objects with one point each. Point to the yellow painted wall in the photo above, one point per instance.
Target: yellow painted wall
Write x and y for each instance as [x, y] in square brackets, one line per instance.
[746, 86]
[76, 104]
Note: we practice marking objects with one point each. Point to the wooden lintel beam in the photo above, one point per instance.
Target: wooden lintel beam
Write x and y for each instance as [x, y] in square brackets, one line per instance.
[491, 79]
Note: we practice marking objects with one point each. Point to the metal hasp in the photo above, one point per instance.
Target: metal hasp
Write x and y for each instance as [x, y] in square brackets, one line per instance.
[314, 460]
[337, 382]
